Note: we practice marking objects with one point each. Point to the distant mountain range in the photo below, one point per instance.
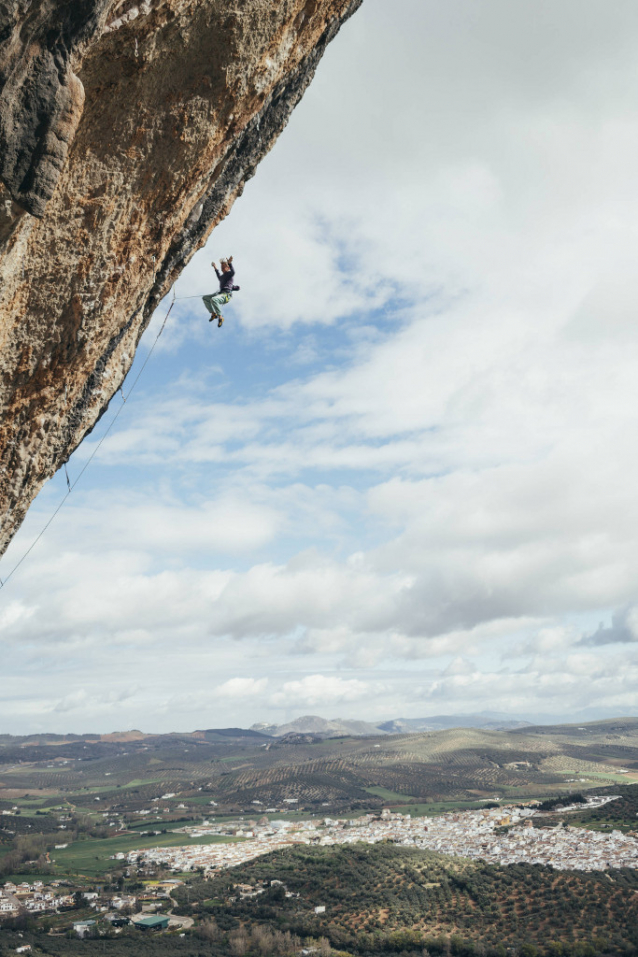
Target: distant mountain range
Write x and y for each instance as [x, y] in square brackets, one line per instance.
[484, 721]
[312, 724]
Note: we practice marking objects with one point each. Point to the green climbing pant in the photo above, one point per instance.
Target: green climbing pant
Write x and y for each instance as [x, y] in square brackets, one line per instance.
[215, 301]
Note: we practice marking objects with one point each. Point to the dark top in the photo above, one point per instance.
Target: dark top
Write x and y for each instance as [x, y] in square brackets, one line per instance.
[226, 279]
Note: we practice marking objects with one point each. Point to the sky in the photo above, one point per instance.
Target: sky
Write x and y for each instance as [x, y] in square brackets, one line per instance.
[401, 480]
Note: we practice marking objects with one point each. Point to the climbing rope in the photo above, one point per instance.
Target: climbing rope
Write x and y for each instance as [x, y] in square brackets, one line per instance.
[71, 485]
[150, 353]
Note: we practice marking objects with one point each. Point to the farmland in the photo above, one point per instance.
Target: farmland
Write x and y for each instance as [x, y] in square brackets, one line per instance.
[93, 858]
[99, 795]
[460, 764]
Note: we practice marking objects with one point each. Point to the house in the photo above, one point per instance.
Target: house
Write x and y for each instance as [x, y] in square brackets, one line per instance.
[123, 900]
[35, 906]
[83, 927]
[321, 909]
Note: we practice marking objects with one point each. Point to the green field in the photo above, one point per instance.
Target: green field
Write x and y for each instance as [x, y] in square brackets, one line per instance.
[187, 820]
[93, 857]
[610, 776]
[393, 796]
[30, 811]
[25, 803]
[28, 877]
[104, 788]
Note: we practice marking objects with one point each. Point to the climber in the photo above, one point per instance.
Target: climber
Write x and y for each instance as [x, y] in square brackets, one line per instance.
[215, 301]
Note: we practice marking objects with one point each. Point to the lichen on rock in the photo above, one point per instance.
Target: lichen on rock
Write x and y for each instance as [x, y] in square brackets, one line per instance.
[127, 131]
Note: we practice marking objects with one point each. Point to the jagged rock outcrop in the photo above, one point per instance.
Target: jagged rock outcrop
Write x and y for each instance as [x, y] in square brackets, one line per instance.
[126, 133]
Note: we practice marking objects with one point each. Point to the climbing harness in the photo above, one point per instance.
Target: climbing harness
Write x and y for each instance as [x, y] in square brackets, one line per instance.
[71, 485]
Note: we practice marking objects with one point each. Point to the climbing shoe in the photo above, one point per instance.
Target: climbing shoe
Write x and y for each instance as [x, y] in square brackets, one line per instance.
[219, 322]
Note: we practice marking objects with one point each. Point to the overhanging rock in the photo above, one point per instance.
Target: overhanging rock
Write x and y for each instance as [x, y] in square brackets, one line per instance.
[127, 131]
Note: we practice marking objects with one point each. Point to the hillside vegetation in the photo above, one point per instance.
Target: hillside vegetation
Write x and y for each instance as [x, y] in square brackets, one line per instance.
[235, 768]
[385, 899]
[377, 900]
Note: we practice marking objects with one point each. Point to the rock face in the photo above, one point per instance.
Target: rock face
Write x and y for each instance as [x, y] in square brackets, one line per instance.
[126, 133]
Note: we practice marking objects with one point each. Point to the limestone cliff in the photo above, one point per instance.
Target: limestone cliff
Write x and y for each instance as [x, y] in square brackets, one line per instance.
[126, 133]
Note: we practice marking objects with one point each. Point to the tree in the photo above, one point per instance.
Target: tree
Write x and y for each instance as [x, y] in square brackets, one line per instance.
[209, 930]
[324, 947]
[238, 942]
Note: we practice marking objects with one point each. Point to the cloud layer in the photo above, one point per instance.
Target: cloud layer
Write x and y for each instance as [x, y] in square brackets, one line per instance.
[402, 479]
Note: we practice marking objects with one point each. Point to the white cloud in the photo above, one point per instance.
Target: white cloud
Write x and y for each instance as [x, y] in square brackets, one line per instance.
[14, 613]
[320, 691]
[460, 666]
[241, 687]
[81, 700]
